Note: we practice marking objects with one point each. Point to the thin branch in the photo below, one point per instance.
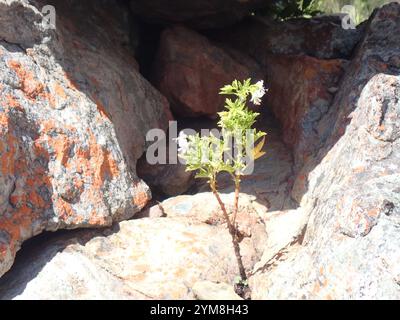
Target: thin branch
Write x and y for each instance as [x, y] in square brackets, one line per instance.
[232, 231]
[236, 200]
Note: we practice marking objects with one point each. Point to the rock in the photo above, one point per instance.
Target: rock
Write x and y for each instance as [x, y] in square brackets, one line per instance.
[203, 207]
[166, 179]
[303, 62]
[299, 96]
[201, 14]
[149, 258]
[350, 245]
[283, 228]
[73, 116]
[207, 290]
[189, 70]
[320, 37]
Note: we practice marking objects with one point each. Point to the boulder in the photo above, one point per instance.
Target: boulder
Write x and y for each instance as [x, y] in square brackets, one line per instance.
[165, 179]
[351, 191]
[148, 258]
[200, 14]
[284, 229]
[301, 90]
[190, 70]
[204, 208]
[74, 112]
[303, 62]
[320, 37]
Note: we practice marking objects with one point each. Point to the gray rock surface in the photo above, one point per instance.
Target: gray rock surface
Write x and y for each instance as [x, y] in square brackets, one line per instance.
[207, 290]
[72, 125]
[74, 112]
[148, 258]
[165, 179]
[350, 246]
[319, 37]
[303, 61]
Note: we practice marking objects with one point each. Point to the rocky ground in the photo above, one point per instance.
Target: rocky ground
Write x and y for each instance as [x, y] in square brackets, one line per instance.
[169, 249]
[319, 218]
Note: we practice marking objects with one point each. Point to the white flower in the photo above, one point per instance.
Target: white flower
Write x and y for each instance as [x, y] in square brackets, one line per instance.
[182, 142]
[259, 93]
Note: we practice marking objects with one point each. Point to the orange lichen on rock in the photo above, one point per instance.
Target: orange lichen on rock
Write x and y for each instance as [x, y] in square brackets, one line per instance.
[26, 204]
[94, 163]
[97, 220]
[57, 94]
[140, 199]
[59, 91]
[12, 102]
[8, 147]
[29, 85]
[98, 163]
[65, 211]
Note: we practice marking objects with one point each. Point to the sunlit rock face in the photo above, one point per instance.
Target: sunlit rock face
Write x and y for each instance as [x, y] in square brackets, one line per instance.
[318, 217]
[74, 112]
[351, 189]
[147, 258]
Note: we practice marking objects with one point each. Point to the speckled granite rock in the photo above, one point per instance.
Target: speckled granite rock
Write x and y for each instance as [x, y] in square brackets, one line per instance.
[148, 258]
[73, 116]
[351, 190]
[207, 290]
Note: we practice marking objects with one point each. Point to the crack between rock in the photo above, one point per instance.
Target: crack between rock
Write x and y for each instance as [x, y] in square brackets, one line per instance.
[281, 253]
[125, 279]
[14, 44]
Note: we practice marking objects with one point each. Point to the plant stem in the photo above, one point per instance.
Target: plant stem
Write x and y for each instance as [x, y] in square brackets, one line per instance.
[232, 231]
[236, 200]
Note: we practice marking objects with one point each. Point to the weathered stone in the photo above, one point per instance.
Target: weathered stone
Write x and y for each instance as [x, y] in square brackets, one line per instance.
[300, 95]
[303, 62]
[207, 290]
[159, 258]
[189, 70]
[167, 179]
[203, 207]
[283, 228]
[73, 116]
[321, 37]
[201, 14]
[350, 247]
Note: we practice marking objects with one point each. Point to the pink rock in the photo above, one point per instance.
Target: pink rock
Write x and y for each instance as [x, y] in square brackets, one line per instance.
[189, 70]
[301, 89]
